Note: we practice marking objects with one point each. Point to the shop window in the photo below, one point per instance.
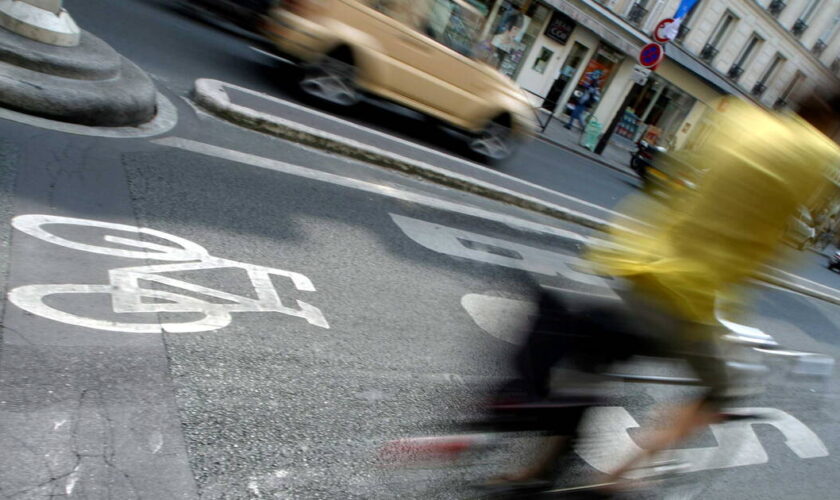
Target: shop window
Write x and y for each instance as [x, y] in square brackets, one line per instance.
[514, 31]
[408, 12]
[542, 60]
[454, 25]
[599, 70]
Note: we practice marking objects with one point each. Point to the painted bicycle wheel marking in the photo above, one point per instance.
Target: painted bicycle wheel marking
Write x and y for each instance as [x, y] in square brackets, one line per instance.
[128, 295]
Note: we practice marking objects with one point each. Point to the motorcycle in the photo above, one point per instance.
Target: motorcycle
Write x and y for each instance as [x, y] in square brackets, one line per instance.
[641, 161]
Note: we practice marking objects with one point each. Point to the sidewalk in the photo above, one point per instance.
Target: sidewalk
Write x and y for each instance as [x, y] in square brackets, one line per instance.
[616, 155]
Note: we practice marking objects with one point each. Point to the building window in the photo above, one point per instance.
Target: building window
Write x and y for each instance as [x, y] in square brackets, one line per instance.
[684, 29]
[743, 59]
[801, 24]
[712, 47]
[771, 71]
[826, 36]
[784, 97]
[638, 13]
[776, 7]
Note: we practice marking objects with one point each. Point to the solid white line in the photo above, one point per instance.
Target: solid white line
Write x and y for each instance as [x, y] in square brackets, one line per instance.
[273, 56]
[420, 147]
[388, 191]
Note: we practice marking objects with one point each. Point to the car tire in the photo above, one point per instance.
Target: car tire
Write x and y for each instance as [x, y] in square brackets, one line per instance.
[495, 143]
[332, 79]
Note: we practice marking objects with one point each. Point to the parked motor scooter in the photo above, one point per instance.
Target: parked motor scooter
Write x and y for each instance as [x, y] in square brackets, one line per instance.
[642, 159]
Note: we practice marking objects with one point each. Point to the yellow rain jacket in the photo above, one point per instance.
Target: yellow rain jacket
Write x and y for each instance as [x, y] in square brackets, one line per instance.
[759, 169]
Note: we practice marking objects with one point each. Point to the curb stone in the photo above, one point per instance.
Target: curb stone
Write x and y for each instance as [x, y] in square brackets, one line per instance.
[210, 95]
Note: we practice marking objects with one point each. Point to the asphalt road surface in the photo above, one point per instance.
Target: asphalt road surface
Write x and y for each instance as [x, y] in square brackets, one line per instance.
[213, 313]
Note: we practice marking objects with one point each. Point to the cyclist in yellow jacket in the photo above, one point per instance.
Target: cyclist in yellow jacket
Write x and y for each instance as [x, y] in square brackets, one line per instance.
[758, 168]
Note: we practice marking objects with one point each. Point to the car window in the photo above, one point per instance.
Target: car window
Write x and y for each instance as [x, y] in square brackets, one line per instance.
[454, 25]
[412, 13]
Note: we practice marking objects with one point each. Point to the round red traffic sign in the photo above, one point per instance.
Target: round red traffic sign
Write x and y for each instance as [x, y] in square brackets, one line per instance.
[651, 55]
[659, 34]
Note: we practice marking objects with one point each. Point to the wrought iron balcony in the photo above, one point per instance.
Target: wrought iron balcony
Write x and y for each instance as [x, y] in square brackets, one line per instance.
[682, 33]
[799, 27]
[758, 89]
[735, 72]
[637, 15]
[780, 103]
[818, 48]
[708, 53]
[776, 7]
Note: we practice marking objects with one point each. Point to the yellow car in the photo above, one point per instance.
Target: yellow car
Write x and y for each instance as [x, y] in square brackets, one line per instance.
[421, 54]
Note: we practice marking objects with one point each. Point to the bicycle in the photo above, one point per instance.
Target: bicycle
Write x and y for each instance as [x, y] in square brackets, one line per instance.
[754, 351]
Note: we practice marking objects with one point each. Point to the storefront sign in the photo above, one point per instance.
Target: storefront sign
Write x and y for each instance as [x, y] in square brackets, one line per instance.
[560, 28]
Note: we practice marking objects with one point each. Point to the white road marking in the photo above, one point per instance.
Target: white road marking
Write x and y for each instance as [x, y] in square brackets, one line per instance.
[128, 295]
[156, 441]
[392, 192]
[475, 166]
[164, 121]
[609, 445]
[72, 479]
[502, 318]
[478, 247]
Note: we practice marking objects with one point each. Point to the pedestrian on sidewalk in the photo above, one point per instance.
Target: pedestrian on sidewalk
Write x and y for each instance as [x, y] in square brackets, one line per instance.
[591, 95]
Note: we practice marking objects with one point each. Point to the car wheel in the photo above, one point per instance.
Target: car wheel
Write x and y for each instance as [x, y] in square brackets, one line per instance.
[332, 79]
[495, 143]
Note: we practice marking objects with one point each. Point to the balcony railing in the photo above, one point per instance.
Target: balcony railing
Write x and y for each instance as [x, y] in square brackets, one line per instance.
[776, 7]
[637, 15]
[708, 53]
[735, 72]
[780, 103]
[818, 48]
[682, 32]
[799, 27]
[758, 89]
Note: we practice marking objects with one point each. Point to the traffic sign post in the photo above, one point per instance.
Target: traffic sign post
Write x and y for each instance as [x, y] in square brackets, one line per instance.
[662, 33]
[651, 55]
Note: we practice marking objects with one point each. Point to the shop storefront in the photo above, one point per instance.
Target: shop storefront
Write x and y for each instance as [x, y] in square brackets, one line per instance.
[599, 71]
[655, 113]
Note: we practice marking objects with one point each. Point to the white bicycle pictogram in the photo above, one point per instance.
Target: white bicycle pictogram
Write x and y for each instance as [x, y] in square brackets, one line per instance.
[128, 296]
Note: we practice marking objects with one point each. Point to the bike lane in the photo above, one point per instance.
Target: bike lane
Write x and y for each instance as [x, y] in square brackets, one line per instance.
[415, 298]
[275, 403]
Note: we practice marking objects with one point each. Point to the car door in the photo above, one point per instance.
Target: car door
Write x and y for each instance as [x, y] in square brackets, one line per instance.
[451, 81]
[396, 27]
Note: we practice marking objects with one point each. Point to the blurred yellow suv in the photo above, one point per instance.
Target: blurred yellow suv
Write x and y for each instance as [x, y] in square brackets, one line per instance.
[421, 54]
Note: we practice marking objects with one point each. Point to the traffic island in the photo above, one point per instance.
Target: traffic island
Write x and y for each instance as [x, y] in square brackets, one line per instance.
[51, 68]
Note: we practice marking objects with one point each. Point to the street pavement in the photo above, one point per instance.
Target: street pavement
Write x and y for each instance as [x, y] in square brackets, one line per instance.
[309, 308]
